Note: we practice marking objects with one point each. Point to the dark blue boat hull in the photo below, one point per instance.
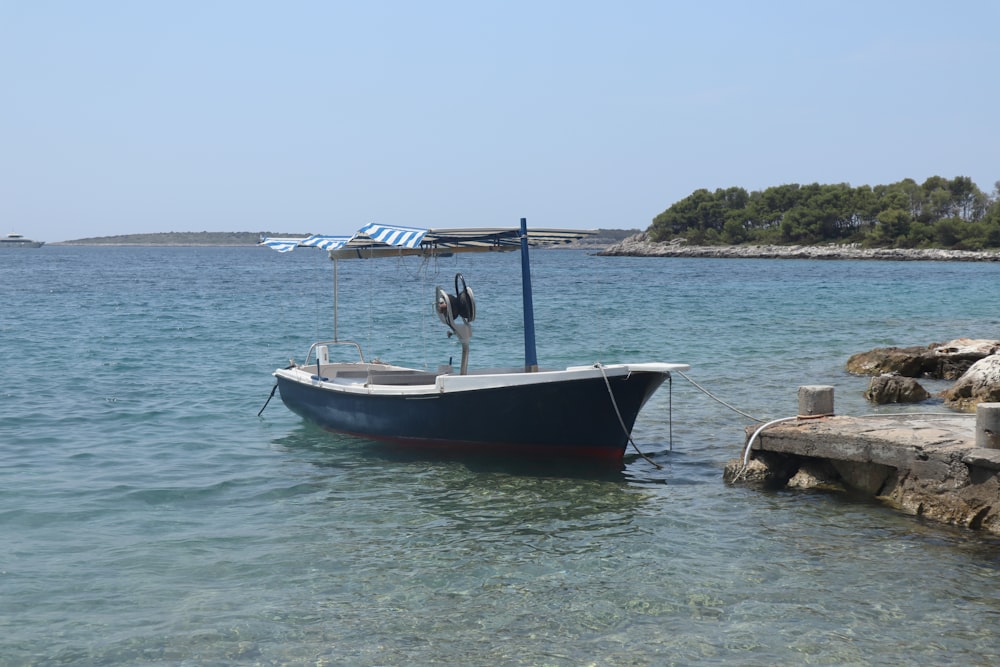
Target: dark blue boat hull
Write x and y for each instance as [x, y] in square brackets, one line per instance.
[566, 418]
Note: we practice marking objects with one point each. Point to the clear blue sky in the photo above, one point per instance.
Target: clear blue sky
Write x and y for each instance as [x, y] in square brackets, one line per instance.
[320, 116]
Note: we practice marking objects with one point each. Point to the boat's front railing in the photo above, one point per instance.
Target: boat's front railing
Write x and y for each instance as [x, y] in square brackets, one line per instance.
[321, 351]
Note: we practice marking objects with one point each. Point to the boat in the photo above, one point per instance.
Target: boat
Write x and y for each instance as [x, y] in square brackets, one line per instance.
[585, 411]
[18, 241]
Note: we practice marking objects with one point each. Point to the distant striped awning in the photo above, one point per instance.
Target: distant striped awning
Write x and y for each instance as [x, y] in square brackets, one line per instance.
[326, 242]
[378, 240]
[280, 244]
[314, 241]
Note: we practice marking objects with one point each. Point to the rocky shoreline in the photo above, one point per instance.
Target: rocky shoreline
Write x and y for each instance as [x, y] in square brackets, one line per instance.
[640, 246]
[974, 364]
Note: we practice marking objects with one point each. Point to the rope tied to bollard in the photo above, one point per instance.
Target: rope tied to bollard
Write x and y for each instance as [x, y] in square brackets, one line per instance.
[815, 402]
[821, 416]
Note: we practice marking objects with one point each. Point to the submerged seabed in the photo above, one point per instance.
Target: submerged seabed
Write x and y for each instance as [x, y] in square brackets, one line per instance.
[147, 516]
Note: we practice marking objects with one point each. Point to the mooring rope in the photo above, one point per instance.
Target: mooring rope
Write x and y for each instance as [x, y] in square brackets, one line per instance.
[273, 389]
[717, 399]
[670, 409]
[621, 421]
[746, 451]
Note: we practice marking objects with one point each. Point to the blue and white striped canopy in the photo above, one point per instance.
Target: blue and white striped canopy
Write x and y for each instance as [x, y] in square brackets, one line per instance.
[314, 241]
[402, 237]
[377, 240]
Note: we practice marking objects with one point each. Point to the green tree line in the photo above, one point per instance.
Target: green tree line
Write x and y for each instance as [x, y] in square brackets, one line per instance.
[938, 213]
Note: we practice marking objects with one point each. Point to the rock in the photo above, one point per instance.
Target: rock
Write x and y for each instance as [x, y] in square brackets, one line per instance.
[816, 474]
[940, 361]
[972, 347]
[979, 384]
[895, 389]
[765, 469]
[909, 362]
[957, 356]
[755, 472]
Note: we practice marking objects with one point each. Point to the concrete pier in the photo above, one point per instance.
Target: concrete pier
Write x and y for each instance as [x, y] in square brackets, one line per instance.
[928, 465]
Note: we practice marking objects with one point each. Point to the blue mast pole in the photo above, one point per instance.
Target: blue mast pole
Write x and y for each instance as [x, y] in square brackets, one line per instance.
[530, 355]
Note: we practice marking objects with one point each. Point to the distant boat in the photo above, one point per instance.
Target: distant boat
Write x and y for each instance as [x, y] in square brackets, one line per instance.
[18, 241]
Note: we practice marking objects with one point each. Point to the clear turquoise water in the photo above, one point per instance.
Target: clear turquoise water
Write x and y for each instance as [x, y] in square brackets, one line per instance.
[148, 516]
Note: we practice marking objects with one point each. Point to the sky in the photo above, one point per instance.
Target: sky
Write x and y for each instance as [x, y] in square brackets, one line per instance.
[121, 117]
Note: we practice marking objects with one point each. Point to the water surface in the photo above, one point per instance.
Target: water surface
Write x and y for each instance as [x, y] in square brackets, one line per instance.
[148, 516]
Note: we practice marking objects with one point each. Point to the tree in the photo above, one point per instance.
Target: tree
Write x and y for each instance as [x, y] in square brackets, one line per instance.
[734, 232]
[894, 225]
[946, 232]
[864, 208]
[939, 212]
[687, 215]
[969, 202]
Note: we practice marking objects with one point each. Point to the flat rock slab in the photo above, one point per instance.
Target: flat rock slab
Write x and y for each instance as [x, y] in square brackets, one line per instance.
[927, 465]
